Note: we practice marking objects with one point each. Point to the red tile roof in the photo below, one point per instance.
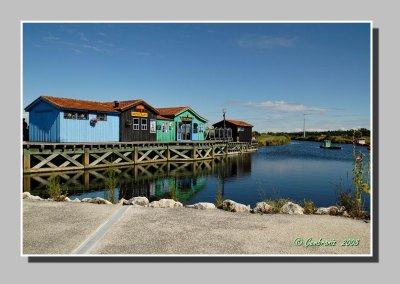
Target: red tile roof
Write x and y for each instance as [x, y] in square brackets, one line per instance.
[77, 104]
[163, 117]
[238, 122]
[124, 105]
[171, 111]
[174, 111]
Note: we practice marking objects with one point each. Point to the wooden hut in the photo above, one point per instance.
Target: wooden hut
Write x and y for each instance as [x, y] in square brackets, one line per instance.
[53, 119]
[138, 120]
[165, 129]
[187, 124]
[241, 131]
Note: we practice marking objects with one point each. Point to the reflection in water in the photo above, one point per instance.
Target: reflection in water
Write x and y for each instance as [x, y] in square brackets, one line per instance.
[180, 181]
[297, 171]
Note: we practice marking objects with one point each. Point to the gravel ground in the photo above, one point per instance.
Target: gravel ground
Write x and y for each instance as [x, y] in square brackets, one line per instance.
[59, 228]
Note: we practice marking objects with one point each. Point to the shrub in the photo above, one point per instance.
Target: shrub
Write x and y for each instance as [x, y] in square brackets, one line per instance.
[218, 196]
[309, 207]
[110, 183]
[56, 192]
[277, 204]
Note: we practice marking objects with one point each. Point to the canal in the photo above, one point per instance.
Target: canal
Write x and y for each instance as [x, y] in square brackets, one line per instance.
[298, 171]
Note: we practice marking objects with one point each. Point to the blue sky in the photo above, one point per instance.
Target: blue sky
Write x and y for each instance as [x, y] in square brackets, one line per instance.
[267, 74]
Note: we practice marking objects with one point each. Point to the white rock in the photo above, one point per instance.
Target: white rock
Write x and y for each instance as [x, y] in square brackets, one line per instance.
[202, 206]
[346, 214]
[138, 200]
[100, 200]
[67, 199]
[76, 200]
[322, 211]
[331, 210]
[263, 207]
[232, 206]
[97, 200]
[165, 203]
[292, 209]
[26, 195]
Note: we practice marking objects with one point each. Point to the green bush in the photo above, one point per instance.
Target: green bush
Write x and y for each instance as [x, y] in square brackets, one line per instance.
[218, 196]
[309, 207]
[277, 204]
[56, 192]
[111, 184]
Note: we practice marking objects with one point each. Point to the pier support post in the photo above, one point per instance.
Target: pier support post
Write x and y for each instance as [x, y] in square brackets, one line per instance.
[194, 154]
[212, 151]
[168, 154]
[27, 160]
[86, 160]
[135, 154]
[27, 183]
[86, 179]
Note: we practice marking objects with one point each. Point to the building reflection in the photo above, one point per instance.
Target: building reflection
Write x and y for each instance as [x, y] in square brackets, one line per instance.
[180, 181]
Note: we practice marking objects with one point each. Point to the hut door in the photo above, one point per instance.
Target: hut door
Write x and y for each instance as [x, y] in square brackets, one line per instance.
[187, 134]
[195, 135]
[179, 128]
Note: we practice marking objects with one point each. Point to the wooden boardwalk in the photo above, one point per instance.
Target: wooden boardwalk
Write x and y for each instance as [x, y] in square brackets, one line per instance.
[48, 157]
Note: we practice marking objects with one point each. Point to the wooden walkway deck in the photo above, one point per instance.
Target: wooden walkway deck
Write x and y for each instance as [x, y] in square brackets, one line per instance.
[48, 157]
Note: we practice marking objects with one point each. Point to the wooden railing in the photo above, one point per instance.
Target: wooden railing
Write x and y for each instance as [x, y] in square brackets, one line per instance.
[47, 157]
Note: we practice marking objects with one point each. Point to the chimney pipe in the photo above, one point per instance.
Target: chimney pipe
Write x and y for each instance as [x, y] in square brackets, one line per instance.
[116, 103]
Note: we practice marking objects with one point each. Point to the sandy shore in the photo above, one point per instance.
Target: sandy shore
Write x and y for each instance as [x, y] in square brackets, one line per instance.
[71, 228]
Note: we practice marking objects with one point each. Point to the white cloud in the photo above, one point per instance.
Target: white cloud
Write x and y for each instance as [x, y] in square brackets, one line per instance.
[266, 42]
[92, 47]
[285, 106]
[83, 37]
[51, 38]
[76, 50]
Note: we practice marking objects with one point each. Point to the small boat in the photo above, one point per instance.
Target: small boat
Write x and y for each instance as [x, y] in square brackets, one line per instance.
[326, 144]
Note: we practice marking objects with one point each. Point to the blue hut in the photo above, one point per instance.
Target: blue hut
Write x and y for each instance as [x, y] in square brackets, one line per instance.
[53, 119]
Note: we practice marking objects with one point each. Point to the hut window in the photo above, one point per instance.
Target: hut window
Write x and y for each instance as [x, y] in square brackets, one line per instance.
[152, 126]
[136, 124]
[195, 127]
[144, 124]
[82, 115]
[69, 115]
[240, 128]
[101, 117]
[76, 115]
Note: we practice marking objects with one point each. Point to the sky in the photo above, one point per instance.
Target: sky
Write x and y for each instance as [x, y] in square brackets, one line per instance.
[271, 75]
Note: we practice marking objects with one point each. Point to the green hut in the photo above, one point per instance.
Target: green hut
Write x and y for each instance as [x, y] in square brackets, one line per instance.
[165, 129]
[184, 123]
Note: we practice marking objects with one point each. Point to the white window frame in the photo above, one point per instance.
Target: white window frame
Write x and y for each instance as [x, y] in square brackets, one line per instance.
[136, 125]
[143, 125]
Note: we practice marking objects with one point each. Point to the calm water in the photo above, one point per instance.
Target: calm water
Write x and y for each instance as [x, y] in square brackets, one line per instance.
[297, 171]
